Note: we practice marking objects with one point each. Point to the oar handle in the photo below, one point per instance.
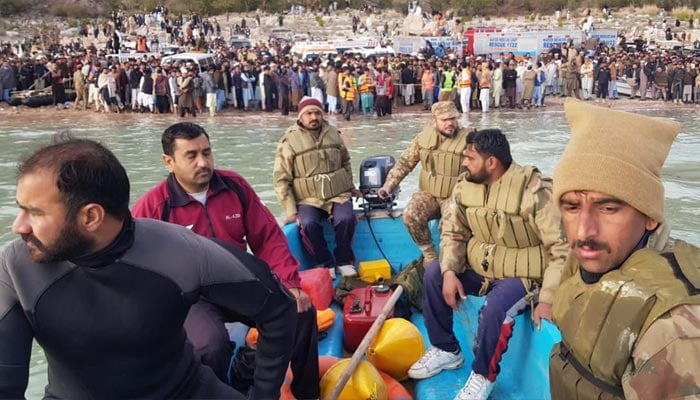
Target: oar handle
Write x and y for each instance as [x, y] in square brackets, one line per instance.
[364, 344]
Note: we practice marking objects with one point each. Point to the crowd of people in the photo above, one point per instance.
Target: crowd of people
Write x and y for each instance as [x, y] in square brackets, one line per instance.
[267, 76]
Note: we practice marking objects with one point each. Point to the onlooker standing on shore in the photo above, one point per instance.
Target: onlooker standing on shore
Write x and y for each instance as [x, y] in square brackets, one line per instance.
[8, 80]
[209, 88]
[497, 84]
[348, 88]
[528, 86]
[366, 88]
[80, 88]
[173, 83]
[465, 87]
[186, 100]
[427, 82]
[587, 79]
[331, 82]
[284, 92]
[510, 78]
[485, 86]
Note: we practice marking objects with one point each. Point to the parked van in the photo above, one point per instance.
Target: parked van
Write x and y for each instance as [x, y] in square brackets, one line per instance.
[312, 51]
[240, 41]
[124, 57]
[203, 60]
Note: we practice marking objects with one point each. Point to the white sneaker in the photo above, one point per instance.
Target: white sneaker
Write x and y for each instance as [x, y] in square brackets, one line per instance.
[478, 387]
[331, 272]
[433, 361]
[346, 270]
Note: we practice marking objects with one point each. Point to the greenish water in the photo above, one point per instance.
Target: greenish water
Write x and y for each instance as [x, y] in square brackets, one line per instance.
[246, 143]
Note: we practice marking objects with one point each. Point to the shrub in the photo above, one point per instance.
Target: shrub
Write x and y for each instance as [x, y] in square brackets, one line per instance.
[320, 21]
[9, 7]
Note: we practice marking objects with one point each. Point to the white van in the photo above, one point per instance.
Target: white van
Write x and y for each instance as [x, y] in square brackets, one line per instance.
[124, 57]
[203, 60]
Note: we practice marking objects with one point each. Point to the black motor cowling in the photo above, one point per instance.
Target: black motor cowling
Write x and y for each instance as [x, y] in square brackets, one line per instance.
[373, 173]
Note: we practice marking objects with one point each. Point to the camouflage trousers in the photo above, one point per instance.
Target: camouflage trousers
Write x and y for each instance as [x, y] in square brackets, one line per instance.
[420, 209]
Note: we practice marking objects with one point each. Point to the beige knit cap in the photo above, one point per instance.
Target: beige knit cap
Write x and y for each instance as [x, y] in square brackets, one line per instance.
[616, 153]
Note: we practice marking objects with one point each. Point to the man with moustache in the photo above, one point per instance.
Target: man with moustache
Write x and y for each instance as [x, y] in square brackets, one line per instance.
[106, 295]
[501, 238]
[628, 306]
[438, 148]
[222, 204]
[311, 191]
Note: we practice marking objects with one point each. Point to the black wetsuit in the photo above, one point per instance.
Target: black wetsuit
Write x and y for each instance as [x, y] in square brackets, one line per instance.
[110, 323]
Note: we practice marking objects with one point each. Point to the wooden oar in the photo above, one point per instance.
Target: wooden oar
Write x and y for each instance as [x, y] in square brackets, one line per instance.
[364, 344]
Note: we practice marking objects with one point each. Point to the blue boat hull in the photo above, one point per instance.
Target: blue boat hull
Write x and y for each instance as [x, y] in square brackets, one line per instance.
[524, 367]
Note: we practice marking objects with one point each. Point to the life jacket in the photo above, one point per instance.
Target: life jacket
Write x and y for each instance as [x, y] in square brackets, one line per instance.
[318, 166]
[347, 87]
[441, 161]
[141, 45]
[449, 81]
[503, 244]
[601, 323]
[465, 78]
[365, 83]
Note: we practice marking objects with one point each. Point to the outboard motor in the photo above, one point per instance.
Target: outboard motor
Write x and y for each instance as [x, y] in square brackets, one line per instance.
[373, 173]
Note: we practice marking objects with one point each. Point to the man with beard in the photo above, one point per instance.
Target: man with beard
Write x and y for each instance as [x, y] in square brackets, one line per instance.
[310, 191]
[628, 306]
[501, 238]
[438, 148]
[222, 204]
[106, 295]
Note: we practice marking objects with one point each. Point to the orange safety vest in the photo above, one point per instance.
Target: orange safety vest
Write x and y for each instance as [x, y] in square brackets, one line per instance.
[465, 78]
[141, 46]
[366, 85]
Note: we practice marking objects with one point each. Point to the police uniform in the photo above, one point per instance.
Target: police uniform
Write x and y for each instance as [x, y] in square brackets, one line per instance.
[634, 331]
[441, 165]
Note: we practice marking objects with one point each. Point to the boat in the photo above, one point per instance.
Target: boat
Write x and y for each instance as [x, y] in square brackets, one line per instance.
[524, 367]
[37, 97]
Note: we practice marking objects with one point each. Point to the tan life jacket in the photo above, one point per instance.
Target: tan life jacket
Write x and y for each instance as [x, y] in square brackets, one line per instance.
[441, 162]
[503, 244]
[318, 164]
[602, 323]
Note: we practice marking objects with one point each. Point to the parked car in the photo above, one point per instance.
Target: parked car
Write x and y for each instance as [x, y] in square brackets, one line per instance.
[202, 60]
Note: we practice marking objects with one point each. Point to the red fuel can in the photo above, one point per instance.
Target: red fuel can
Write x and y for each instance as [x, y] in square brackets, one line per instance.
[361, 308]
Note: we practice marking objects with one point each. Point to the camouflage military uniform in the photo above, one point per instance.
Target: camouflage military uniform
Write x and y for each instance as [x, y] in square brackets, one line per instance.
[664, 361]
[422, 207]
[428, 202]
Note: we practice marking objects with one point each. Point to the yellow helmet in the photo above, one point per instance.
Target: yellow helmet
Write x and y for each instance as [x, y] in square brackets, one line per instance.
[365, 382]
[396, 347]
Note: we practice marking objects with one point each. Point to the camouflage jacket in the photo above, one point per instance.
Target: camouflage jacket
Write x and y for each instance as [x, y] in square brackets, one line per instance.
[406, 163]
[537, 209]
[665, 362]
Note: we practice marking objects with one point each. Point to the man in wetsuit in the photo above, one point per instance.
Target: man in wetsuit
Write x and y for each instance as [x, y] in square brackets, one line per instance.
[106, 296]
[222, 204]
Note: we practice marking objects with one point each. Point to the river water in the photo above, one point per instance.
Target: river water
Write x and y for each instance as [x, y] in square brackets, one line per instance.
[246, 143]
